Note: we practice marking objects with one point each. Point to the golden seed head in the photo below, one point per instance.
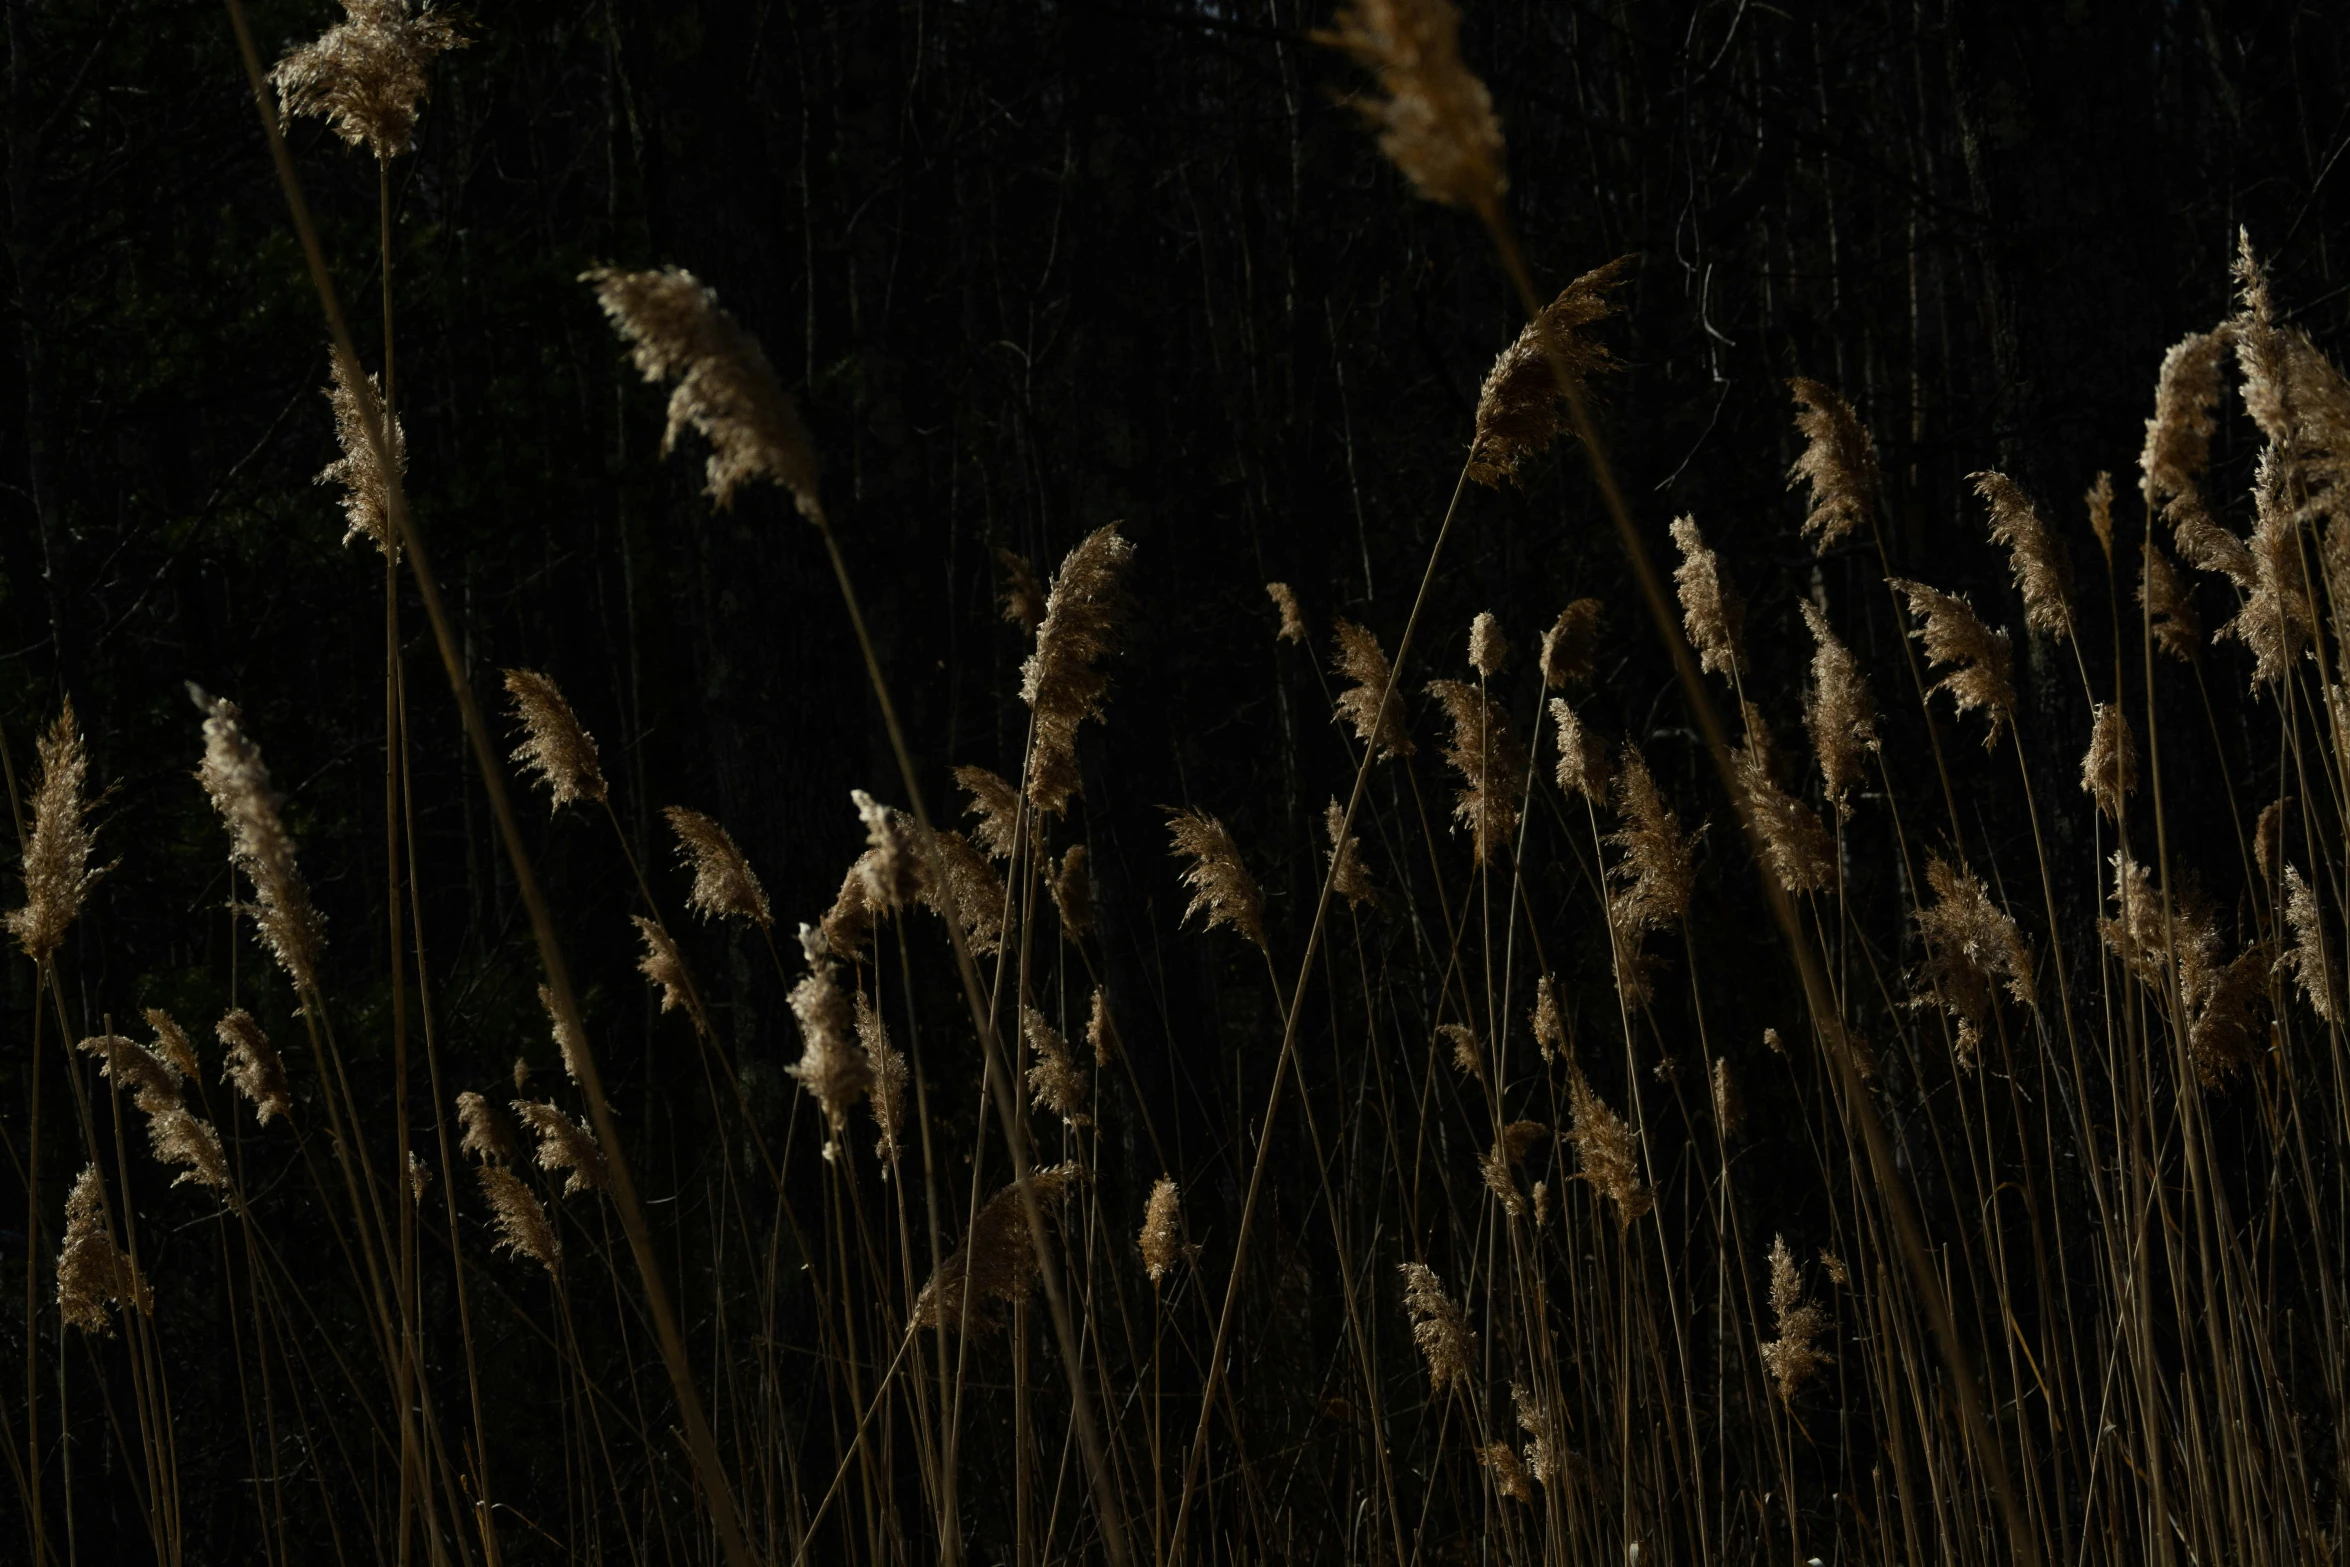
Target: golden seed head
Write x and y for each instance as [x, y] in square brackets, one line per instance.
[1488, 648]
[1839, 713]
[998, 1263]
[252, 1064]
[1348, 876]
[564, 1144]
[1056, 1081]
[1162, 1231]
[1606, 1151]
[366, 74]
[1438, 1326]
[2042, 573]
[1570, 648]
[1377, 721]
[94, 1274]
[887, 1064]
[2109, 771]
[1492, 766]
[1839, 464]
[1433, 117]
[554, 745]
[488, 1136]
[1978, 657]
[1062, 681]
[259, 845]
[1713, 615]
[724, 884]
[522, 1223]
[57, 870]
[1221, 887]
[366, 484]
[1793, 1358]
[1293, 619]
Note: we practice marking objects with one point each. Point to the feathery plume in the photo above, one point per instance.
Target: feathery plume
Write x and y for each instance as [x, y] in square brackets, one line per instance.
[1773, 1043]
[1800, 852]
[171, 1043]
[2178, 437]
[1489, 650]
[1162, 1231]
[1101, 1029]
[1570, 648]
[1605, 1152]
[664, 966]
[1540, 1198]
[887, 1066]
[92, 1272]
[1509, 1476]
[1377, 722]
[998, 1262]
[569, 1042]
[1545, 1451]
[1978, 656]
[848, 924]
[1348, 877]
[1656, 872]
[997, 805]
[1490, 762]
[2275, 621]
[1729, 1104]
[1221, 887]
[1499, 1164]
[1792, 1358]
[1072, 890]
[724, 884]
[1839, 463]
[487, 1135]
[1057, 1082]
[1438, 1327]
[978, 891]
[2229, 1027]
[2042, 573]
[564, 1144]
[2268, 837]
[367, 489]
[2149, 939]
[366, 74]
[1839, 713]
[259, 845]
[1432, 115]
[1970, 945]
[830, 1065]
[419, 1177]
[891, 867]
[179, 1137]
[2310, 959]
[252, 1064]
[1550, 1030]
[1061, 681]
[2109, 771]
[1023, 595]
[1465, 1053]
[1518, 413]
[554, 745]
[135, 1070]
[522, 1223]
[2100, 503]
[725, 389]
[57, 873]
[1714, 616]
[1293, 619]
[2170, 606]
[1583, 766]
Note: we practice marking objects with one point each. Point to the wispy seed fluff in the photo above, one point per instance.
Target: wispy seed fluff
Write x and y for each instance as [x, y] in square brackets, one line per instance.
[997, 805]
[1518, 412]
[1839, 712]
[724, 885]
[1509, 1476]
[1606, 1151]
[57, 872]
[1438, 1327]
[1550, 1029]
[1714, 616]
[152, 1079]
[663, 966]
[1101, 1029]
[2100, 504]
[1433, 117]
[1489, 650]
[1979, 658]
[93, 1273]
[569, 1043]
[887, 1063]
[1162, 1231]
[1293, 620]
[171, 1042]
[1793, 1358]
[522, 1223]
[1583, 766]
[892, 867]
[1800, 852]
[1839, 463]
[1376, 721]
[367, 488]
[1492, 766]
[2178, 437]
[1657, 870]
[1221, 887]
[1071, 885]
[365, 75]
[2109, 771]
[259, 845]
[486, 1133]
[2177, 941]
[565, 1144]
[1348, 877]
[252, 1064]
[419, 1177]
[2042, 573]
[1465, 1051]
[830, 1066]
[1570, 648]
[1546, 1446]
[2311, 958]
[999, 1262]
[2170, 608]
[725, 388]
[1056, 1081]
[1498, 1165]
[1023, 595]
[554, 745]
[1062, 681]
[1729, 1103]
[1970, 944]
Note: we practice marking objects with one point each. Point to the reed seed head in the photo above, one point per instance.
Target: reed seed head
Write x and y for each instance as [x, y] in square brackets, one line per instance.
[1729, 1104]
[1545, 1450]
[1583, 766]
[2178, 437]
[2100, 504]
[1550, 1030]
[1162, 1231]
[2310, 959]
[892, 867]
[1062, 681]
[1713, 615]
[2268, 837]
[2170, 606]
[962, 872]
[1839, 463]
[181, 1138]
[1797, 848]
[1509, 1476]
[1839, 713]
[664, 967]
[2109, 771]
[1072, 890]
[259, 845]
[1376, 721]
[998, 1263]
[1221, 887]
[1438, 1326]
[2042, 573]
[1978, 658]
[1971, 945]
[887, 1066]
[1056, 1081]
[252, 1064]
[570, 1042]
[1570, 648]
[1293, 619]
[554, 745]
[135, 1070]
[93, 1274]
[724, 885]
[1794, 1357]
[1606, 1151]
[171, 1043]
[367, 487]
[1498, 1165]
[2229, 1029]
[1348, 876]
[1488, 648]
[831, 1067]
[1492, 766]
[1658, 870]
[1023, 595]
[1101, 1029]
[997, 805]
[57, 870]
[564, 1144]
[366, 74]
[1518, 412]
[1433, 117]
[487, 1135]
[523, 1228]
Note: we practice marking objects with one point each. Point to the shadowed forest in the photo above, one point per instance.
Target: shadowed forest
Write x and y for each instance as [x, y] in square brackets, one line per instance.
[1262, 784]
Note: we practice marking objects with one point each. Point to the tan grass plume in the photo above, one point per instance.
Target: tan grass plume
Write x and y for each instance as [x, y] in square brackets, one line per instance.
[1839, 712]
[887, 1065]
[94, 1274]
[1293, 619]
[2042, 573]
[998, 1263]
[831, 1066]
[565, 1144]
[1606, 1151]
[487, 1134]
[367, 489]
[2109, 770]
[57, 870]
[725, 887]
[1499, 1164]
[259, 845]
[1433, 117]
[1492, 766]
[569, 1043]
[1839, 463]
[997, 805]
[1438, 1327]
[252, 1064]
[554, 745]
[1161, 1239]
[1712, 613]
[1071, 885]
[1971, 945]
[1348, 876]
[2311, 958]
[1489, 650]
[171, 1042]
[522, 1222]
[1978, 658]
[1221, 887]
[2176, 627]
[1376, 721]
[1518, 408]
[1056, 1081]
[1023, 595]
[1798, 849]
[664, 967]
[1063, 682]
[1550, 1029]
[1583, 766]
[1570, 648]
[1794, 1357]
[366, 74]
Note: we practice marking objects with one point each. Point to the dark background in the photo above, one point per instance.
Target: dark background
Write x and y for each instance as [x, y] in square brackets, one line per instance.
[1034, 268]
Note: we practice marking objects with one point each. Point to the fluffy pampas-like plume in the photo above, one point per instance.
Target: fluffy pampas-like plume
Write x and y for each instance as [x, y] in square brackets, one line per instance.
[999, 1262]
[1162, 1231]
[1433, 117]
[887, 1097]
[1970, 944]
[1839, 463]
[367, 487]
[171, 1042]
[565, 1144]
[1293, 619]
[1023, 596]
[2042, 574]
[487, 1135]
[554, 745]
[1839, 712]
[1101, 1029]
[2170, 609]
[1518, 413]
[57, 873]
[1570, 648]
[1056, 1081]
[522, 1223]
[725, 389]
[997, 805]
[1492, 766]
[1438, 1327]
[724, 885]
[259, 845]
[663, 966]
[1713, 614]
[1550, 1029]
[830, 1066]
[1377, 722]
[2109, 770]
[1062, 681]
[568, 1042]
[1794, 1357]
[1498, 1165]
[1221, 887]
[1509, 1476]
[1798, 848]
[891, 867]
[1583, 767]
[1655, 875]
[94, 1274]
[252, 1064]
[1489, 650]
[2178, 437]
[1606, 1152]
[1071, 885]
[1979, 658]
[365, 75]
[2310, 959]
[1348, 877]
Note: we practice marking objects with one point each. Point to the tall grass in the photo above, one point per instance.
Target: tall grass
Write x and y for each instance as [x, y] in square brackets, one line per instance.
[1748, 1122]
